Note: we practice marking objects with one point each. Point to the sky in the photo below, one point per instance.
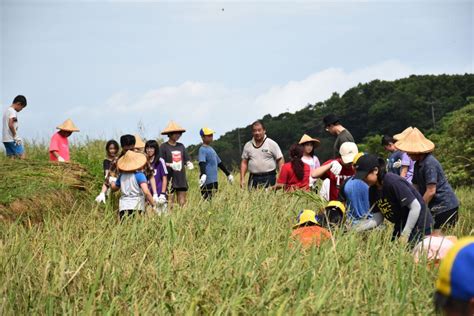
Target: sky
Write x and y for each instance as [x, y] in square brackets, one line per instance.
[118, 67]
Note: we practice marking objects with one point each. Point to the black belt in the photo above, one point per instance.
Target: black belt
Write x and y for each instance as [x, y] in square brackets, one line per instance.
[270, 173]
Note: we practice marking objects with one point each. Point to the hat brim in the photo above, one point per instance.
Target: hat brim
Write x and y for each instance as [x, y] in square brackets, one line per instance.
[173, 131]
[347, 159]
[315, 142]
[67, 129]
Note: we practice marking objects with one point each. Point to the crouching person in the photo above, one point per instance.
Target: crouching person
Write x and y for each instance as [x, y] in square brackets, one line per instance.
[133, 184]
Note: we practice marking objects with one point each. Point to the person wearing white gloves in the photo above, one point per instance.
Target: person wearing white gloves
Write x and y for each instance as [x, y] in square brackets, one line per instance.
[394, 161]
[59, 145]
[209, 161]
[394, 199]
[159, 182]
[177, 160]
[10, 138]
[336, 171]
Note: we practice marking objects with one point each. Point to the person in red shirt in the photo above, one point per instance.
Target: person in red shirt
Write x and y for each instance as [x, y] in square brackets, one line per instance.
[59, 145]
[337, 170]
[294, 175]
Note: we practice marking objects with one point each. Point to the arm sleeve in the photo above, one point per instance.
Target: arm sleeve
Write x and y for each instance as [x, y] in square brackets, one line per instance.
[202, 167]
[276, 150]
[54, 146]
[317, 163]
[245, 152]
[163, 166]
[415, 209]
[367, 224]
[223, 168]
[283, 176]
[140, 177]
[431, 176]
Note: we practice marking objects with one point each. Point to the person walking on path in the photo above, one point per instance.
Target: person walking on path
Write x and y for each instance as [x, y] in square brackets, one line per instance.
[10, 138]
[59, 145]
[333, 126]
[430, 180]
[177, 159]
[262, 157]
[209, 162]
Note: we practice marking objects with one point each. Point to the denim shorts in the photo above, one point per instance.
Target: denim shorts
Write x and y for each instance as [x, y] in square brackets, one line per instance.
[13, 149]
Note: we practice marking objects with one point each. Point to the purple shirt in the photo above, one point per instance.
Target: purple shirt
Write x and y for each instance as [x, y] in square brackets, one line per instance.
[159, 170]
[406, 161]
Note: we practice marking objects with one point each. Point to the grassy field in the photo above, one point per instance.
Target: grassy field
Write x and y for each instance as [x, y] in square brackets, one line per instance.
[230, 256]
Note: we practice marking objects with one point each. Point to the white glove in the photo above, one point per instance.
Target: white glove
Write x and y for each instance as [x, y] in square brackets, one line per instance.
[336, 167]
[202, 180]
[112, 179]
[189, 165]
[61, 159]
[397, 164]
[155, 198]
[162, 199]
[100, 198]
[230, 178]
[18, 141]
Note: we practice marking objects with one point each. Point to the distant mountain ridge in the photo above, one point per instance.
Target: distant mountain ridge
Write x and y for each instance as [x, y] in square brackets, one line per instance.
[377, 107]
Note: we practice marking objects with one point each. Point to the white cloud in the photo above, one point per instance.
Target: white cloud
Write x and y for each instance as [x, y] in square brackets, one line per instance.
[196, 104]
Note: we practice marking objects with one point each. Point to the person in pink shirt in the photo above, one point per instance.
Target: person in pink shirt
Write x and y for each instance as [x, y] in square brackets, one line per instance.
[59, 146]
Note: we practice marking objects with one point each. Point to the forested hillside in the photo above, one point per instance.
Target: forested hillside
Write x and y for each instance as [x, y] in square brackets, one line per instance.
[373, 108]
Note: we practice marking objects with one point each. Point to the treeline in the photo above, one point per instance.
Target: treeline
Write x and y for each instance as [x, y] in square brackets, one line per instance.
[374, 108]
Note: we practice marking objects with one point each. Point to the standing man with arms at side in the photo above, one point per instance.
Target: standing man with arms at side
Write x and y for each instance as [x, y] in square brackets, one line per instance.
[13, 143]
[333, 126]
[262, 157]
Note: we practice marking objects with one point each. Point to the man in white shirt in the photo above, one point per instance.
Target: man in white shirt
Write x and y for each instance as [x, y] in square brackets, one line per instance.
[262, 157]
[10, 138]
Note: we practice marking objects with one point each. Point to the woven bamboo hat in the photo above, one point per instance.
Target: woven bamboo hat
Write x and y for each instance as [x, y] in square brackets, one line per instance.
[139, 143]
[401, 135]
[172, 127]
[68, 126]
[131, 161]
[415, 143]
[306, 139]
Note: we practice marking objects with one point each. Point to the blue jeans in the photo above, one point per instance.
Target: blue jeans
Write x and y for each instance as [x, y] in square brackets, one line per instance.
[13, 149]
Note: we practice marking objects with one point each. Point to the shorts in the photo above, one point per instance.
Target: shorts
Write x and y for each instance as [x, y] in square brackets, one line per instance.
[446, 219]
[173, 190]
[208, 190]
[13, 149]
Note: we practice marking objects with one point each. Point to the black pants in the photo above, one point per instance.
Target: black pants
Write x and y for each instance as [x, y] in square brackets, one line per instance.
[446, 219]
[208, 190]
[262, 180]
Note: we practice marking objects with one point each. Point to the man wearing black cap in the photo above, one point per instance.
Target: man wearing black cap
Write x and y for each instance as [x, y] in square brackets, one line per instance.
[333, 126]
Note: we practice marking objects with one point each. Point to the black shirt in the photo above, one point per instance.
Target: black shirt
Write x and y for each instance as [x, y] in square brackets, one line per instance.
[393, 202]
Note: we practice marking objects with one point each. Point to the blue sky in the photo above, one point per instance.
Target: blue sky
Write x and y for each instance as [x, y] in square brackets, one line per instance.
[111, 65]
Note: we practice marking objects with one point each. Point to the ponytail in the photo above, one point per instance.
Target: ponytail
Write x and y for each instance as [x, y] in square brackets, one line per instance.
[296, 152]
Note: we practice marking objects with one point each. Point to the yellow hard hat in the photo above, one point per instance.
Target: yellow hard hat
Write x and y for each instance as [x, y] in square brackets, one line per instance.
[306, 216]
[338, 205]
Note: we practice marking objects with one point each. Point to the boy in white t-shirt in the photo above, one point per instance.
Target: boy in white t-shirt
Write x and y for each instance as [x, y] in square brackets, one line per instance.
[10, 138]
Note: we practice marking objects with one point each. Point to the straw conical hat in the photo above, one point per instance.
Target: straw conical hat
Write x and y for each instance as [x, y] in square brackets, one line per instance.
[306, 138]
[131, 161]
[401, 135]
[415, 143]
[173, 128]
[68, 126]
[139, 143]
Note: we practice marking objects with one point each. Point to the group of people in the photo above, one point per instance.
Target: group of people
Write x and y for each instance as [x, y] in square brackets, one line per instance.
[409, 189]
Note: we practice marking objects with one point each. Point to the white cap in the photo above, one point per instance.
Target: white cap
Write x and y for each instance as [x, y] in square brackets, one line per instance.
[348, 151]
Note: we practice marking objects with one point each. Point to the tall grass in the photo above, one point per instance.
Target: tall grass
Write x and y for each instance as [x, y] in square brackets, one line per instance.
[232, 255]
